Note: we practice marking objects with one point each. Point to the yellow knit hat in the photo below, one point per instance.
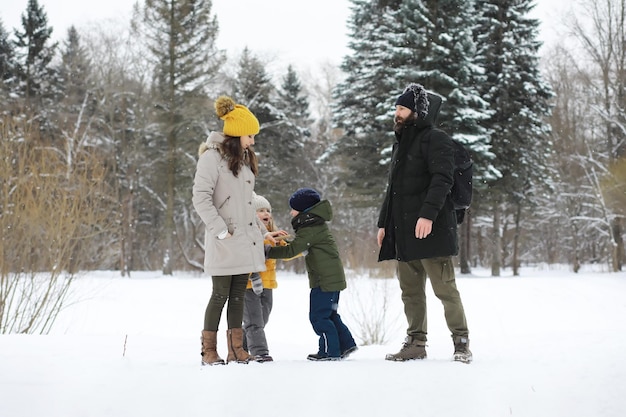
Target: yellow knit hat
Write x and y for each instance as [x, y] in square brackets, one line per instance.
[238, 120]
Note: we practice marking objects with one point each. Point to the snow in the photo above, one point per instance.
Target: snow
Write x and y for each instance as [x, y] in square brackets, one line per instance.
[548, 343]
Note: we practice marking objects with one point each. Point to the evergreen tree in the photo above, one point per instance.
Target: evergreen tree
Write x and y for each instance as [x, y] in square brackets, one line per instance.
[449, 66]
[254, 87]
[75, 69]
[34, 55]
[7, 55]
[445, 61]
[394, 44]
[364, 106]
[283, 165]
[76, 102]
[520, 102]
[293, 99]
[180, 36]
[7, 67]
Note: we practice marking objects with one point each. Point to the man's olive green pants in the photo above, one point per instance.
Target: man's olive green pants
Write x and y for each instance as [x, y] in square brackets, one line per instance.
[412, 276]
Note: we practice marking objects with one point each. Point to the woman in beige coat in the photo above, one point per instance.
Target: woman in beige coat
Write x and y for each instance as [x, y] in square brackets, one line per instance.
[222, 195]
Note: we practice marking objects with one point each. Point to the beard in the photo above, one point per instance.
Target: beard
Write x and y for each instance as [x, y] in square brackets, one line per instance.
[400, 122]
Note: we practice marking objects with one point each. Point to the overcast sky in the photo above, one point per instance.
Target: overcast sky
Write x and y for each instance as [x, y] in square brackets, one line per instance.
[306, 34]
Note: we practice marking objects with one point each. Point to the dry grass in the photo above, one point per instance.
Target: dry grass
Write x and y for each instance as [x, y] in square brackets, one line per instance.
[49, 217]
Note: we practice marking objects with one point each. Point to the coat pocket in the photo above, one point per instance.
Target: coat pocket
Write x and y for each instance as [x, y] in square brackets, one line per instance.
[227, 252]
[223, 203]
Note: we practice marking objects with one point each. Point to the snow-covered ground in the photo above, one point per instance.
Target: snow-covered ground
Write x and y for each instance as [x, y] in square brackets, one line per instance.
[547, 344]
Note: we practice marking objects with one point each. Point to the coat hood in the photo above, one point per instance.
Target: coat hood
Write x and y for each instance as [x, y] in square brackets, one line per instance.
[322, 209]
[319, 214]
[434, 105]
[212, 142]
[215, 137]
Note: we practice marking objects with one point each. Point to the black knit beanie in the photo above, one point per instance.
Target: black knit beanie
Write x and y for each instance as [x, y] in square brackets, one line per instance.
[414, 97]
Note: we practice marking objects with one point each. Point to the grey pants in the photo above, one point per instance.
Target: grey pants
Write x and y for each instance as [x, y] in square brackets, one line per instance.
[256, 314]
[412, 276]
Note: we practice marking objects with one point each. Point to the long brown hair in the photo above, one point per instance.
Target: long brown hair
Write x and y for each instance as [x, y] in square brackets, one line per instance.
[236, 156]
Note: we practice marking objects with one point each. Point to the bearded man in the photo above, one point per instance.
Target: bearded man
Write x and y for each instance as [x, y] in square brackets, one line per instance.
[417, 222]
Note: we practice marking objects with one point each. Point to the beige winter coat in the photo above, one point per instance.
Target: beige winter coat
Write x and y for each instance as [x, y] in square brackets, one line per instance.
[223, 202]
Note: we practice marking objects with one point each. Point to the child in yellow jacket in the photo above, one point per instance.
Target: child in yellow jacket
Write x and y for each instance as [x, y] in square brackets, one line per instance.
[259, 298]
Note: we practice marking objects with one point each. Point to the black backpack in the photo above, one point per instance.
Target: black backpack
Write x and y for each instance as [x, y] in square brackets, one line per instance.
[461, 191]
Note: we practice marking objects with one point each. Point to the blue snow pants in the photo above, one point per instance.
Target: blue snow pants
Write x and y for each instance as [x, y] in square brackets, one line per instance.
[335, 337]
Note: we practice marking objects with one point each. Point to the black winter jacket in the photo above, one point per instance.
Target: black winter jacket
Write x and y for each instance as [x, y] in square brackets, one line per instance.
[419, 185]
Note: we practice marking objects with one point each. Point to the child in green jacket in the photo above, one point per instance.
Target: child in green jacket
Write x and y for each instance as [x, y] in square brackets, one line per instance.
[325, 271]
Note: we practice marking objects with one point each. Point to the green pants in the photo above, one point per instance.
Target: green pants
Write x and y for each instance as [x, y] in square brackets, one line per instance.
[231, 288]
[412, 277]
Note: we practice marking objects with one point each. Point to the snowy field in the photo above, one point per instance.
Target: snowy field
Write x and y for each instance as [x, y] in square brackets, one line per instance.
[547, 344]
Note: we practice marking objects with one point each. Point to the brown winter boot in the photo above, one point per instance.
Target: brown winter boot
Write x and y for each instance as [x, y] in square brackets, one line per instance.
[235, 346]
[209, 349]
[461, 349]
[411, 349]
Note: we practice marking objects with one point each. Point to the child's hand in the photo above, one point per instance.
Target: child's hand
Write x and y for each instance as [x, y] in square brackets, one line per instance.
[274, 237]
[283, 236]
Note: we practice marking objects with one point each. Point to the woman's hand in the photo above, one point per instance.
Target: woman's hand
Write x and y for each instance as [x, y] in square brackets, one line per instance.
[224, 235]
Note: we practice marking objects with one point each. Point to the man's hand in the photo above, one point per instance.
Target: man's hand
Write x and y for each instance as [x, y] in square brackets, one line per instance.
[423, 228]
[380, 236]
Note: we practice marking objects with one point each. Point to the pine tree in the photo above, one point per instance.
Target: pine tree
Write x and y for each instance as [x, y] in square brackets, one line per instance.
[7, 67]
[520, 100]
[293, 99]
[364, 105]
[75, 107]
[448, 65]
[180, 36]
[394, 44]
[254, 87]
[445, 61]
[75, 69]
[34, 55]
[283, 165]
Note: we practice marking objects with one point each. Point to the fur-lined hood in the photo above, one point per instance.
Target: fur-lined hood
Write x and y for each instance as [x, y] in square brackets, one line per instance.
[212, 142]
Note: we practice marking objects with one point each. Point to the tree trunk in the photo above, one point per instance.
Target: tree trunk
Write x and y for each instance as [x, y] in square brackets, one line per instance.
[576, 257]
[618, 249]
[496, 259]
[464, 243]
[171, 186]
[516, 263]
[480, 243]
